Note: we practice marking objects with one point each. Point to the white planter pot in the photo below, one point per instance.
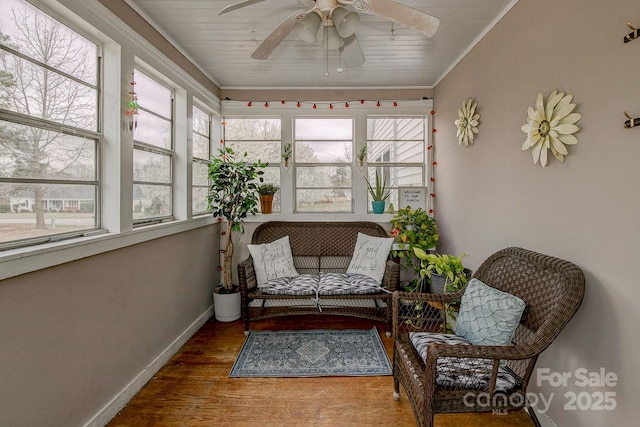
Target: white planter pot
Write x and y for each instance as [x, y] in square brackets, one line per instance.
[227, 307]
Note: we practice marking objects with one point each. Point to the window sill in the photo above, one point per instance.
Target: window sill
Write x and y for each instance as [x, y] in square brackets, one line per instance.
[28, 259]
[320, 216]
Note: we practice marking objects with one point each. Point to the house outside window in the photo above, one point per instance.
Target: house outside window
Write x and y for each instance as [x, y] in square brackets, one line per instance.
[152, 151]
[396, 149]
[49, 128]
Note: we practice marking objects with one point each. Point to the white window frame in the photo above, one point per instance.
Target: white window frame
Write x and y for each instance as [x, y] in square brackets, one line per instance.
[359, 112]
[199, 160]
[48, 125]
[123, 49]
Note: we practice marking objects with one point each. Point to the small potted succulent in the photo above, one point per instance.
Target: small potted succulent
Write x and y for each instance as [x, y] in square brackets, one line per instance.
[379, 193]
[266, 192]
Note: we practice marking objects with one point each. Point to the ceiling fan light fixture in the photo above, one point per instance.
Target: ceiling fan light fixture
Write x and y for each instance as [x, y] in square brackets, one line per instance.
[346, 22]
[307, 28]
[331, 39]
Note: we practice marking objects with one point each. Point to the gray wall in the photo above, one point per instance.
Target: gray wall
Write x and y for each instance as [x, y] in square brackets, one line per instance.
[586, 210]
[75, 335]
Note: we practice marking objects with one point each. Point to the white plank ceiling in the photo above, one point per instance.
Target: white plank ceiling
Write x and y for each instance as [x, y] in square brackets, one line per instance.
[396, 56]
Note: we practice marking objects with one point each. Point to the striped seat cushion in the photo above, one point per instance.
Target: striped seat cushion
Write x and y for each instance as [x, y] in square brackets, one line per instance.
[322, 284]
[303, 284]
[462, 373]
[347, 284]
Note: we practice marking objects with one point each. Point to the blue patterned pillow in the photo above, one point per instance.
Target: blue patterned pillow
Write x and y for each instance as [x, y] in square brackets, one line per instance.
[488, 316]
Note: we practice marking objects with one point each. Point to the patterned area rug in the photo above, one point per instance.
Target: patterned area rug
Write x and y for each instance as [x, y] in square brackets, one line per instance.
[312, 353]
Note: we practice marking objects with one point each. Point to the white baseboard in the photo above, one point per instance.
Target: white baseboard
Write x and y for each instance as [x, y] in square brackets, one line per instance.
[543, 418]
[112, 408]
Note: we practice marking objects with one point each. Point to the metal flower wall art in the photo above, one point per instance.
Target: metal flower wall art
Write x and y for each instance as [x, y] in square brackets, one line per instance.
[467, 122]
[551, 126]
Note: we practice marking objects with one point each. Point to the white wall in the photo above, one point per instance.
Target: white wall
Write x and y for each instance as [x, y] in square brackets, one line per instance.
[586, 210]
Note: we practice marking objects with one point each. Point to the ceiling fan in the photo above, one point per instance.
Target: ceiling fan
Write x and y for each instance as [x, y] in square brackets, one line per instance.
[339, 24]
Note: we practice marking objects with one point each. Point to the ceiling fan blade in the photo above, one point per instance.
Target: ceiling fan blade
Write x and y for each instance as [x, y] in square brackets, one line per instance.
[275, 38]
[401, 14]
[238, 5]
[352, 54]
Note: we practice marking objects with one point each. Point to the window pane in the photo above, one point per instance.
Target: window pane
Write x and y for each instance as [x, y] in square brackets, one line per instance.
[395, 128]
[395, 151]
[152, 95]
[35, 210]
[272, 176]
[201, 122]
[39, 36]
[323, 176]
[201, 147]
[45, 94]
[397, 176]
[151, 201]
[199, 199]
[323, 151]
[153, 130]
[151, 167]
[29, 152]
[200, 174]
[251, 129]
[323, 128]
[266, 151]
[323, 200]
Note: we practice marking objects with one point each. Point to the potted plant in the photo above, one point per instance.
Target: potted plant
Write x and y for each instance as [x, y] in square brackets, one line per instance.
[379, 194]
[446, 272]
[287, 150]
[266, 192]
[362, 154]
[233, 195]
[413, 228]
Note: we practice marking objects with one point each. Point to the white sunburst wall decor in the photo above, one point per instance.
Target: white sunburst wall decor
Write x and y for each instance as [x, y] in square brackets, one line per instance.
[467, 122]
[550, 126]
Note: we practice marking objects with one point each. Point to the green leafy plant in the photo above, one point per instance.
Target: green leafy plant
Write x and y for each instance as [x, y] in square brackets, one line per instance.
[449, 266]
[287, 150]
[268, 189]
[233, 195]
[413, 228]
[380, 191]
[362, 153]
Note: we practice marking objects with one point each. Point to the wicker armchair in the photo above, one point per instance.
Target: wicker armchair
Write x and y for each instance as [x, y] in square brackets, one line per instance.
[471, 378]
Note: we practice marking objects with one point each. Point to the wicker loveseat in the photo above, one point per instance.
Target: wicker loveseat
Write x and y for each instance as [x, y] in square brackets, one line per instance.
[447, 374]
[317, 247]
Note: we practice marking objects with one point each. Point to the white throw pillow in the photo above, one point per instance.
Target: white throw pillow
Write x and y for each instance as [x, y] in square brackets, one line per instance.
[370, 256]
[488, 316]
[272, 260]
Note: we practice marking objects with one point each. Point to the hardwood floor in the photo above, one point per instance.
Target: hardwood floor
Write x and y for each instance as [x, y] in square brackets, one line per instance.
[194, 389]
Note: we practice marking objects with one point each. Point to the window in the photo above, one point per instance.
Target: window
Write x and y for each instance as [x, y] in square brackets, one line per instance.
[153, 151]
[395, 149]
[49, 128]
[201, 160]
[261, 140]
[323, 154]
